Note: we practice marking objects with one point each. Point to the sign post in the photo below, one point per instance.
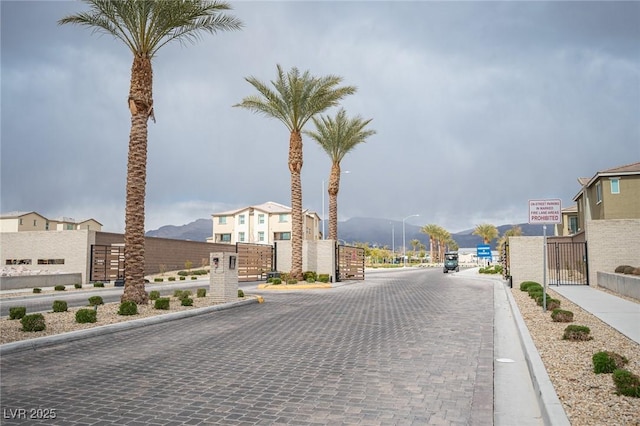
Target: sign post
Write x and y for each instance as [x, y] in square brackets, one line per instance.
[543, 212]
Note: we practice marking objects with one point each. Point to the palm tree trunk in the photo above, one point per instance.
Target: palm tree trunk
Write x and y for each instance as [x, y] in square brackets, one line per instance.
[141, 107]
[333, 189]
[431, 259]
[295, 167]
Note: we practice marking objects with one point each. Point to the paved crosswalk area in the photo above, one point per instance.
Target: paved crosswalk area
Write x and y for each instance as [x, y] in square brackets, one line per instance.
[414, 348]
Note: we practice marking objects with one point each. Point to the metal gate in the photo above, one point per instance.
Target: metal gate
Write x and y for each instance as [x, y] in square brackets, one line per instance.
[567, 263]
[255, 261]
[349, 263]
[107, 263]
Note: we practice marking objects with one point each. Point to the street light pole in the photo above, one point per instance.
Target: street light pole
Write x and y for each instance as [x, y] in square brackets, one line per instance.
[393, 243]
[404, 245]
[323, 236]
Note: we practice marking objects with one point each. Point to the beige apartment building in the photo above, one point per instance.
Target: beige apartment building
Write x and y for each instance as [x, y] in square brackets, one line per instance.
[261, 224]
[33, 221]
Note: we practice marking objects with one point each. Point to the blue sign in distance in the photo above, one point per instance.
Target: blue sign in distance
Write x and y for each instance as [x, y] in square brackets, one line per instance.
[483, 251]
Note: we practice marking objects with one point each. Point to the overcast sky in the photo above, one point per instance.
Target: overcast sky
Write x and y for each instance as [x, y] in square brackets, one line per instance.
[478, 107]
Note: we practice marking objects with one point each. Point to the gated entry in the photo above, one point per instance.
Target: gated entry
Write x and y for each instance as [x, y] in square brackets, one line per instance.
[349, 263]
[255, 261]
[107, 263]
[568, 263]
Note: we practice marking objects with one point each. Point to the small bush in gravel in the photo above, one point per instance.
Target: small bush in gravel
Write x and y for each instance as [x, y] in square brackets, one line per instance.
[240, 293]
[607, 362]
[183, 273]
[525, 285]
[33, 322]
[309, 274]
[559, 315]
[95, 301]
[162, 303]
[17, 312]
[37, 290]
[186, 293]
[324, 278]
[186, 301]
[158, 280]
[552, 303]
[577, 333]
[535, 294]
[154, 295]
[183, 278]
[84, 316]
[178, 294]
[171, 278]
[201, 292]
[59, 306]
[128, 307]
[194, 278]
[292, 281]
[276, 281]
[98, 284]
[59, 287]
[77, 285]
[627, 383]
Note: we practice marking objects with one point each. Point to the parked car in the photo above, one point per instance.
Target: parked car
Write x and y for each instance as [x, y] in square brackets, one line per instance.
[451, 262]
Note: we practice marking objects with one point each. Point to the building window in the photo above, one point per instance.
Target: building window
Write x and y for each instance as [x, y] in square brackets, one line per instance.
[282, 236]
[226, 238]
[261, 219]
[35, 222]
[222, 220]
[18, 262]
[20, 221]
[50, 261]
[241, 236]
[573, 224]
[241, 219]
[283, 218]
[598, 192]
[261, 236]
[69, 227]
[615, 186]
[46, 225]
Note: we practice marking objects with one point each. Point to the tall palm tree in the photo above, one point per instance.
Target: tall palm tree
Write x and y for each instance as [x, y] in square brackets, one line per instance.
[337, 137]
[432, 231]
[296, 99]
[486, 231]
[514, 231]
[144, 26]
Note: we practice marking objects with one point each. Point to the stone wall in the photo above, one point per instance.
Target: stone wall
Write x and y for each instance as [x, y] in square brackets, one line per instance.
[626, 285]
[317, 255]
[611, 243]
[39, 281]
[526, 259]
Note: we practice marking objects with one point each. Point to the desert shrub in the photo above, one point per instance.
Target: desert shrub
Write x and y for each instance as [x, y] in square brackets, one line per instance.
[324, 278]
[183, 273]
[178, 294]
[37, 290]
[98, 284]
[309, 274]
[194, 277]
[17, 312]
[627, 383]
[559, 315]
[292, 281]
[85, 315]
[525, 285]
[240, 293]
[284, 276]
[59, 306]
[276, 281]
[201, 292]
[535, 294]
[162, 303]
[33, 322]
[77, 285]
[186, 293]
[553, 303]
[128, 307]
[199, 272]
[158, 280]
[636, 271]
[171, 278]
[59, 287]
[95, 301]
[186, 301]
[607, 362]
[628, 270]
[310, 280]
[183, 278]
[154, 295]
[620, 269]
[577, 333]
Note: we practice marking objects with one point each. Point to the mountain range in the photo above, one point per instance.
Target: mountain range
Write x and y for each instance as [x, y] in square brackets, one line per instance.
[376, 232]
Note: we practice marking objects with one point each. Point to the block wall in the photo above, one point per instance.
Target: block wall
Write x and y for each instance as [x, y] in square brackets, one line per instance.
[611, 243]
[526, 259]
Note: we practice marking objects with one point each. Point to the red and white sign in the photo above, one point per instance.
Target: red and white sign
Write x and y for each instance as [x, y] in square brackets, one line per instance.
[545, 211]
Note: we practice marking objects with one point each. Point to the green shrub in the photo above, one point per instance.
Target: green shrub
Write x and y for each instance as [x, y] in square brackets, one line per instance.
[552, 303]
[183, 278]
[162, 303]
[154, 295]
[292, 281]
[98, 284]
[199, 272]
[84, 316]
[186, 293]
[194, 278]
[535, 294]
[186, 301]
[77, 285]
[577, 333]
[627, 383]
[620, 269]
[37, 290]
[171, 278]
[59, 287]
[240, 293]
[481, 271]
[128, 307]
[525, 285]
[95, 301]
[183, 273]
[201, 292]
[158, 280]
[17, 312]
[59, 306]
[276, 281]
[309, 275]
[559, 315]
[310, 280]
[607, 362]
[33, 322]
[178, 294]
[324, 278]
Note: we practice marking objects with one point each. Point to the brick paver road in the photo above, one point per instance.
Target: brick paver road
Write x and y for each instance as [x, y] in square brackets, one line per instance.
[411, 347]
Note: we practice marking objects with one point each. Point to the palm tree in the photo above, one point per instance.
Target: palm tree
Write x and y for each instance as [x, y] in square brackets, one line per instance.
[515, 231]
[144, 26]
[295, 100]
[337, 137]
[487, 232]
[432, 231]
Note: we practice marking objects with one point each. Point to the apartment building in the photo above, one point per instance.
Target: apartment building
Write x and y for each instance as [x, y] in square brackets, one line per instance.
[261, 224]
[33, 221]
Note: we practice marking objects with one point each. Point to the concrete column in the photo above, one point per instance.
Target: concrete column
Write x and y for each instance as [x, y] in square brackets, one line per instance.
[223, 281]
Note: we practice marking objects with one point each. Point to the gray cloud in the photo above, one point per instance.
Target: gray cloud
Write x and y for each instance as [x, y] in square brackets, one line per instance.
[478, 107]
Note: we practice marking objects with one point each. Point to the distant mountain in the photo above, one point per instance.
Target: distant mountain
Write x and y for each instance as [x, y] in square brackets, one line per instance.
[358, 229]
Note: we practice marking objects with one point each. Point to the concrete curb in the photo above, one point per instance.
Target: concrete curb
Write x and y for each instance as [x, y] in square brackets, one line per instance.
[41, 342]
[550, 406]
